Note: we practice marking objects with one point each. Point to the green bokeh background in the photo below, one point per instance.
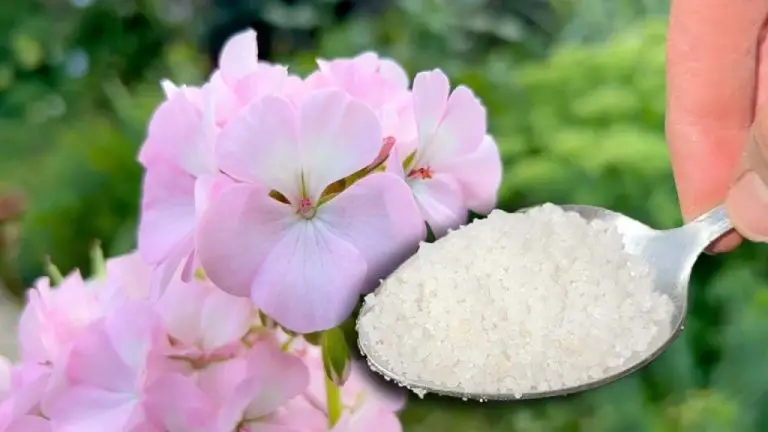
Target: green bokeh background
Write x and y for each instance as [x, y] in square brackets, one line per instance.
[575, 92]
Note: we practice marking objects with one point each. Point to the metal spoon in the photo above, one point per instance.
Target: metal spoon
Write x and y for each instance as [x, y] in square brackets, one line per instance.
[671, 255]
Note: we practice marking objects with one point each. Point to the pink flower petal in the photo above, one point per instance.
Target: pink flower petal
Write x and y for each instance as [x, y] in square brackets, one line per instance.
[254, 385]
[261, 146]
[225, 102]
[237, 233]
[180, 308]
[479, 175]
[266, 79]
[175, 135]
[239, 56]
[83, 408]
[369, 419]
[339, 136]
[6, 367]
[168, 211]
[276, 377]
[311, 279]
[29, 423]
[129, 274]
[441, 203]
[176, 403]
[224, 319]
[379, 217]
[111, 353]
[180, 260]
[460, 132]
[395, 73]
[430, 100]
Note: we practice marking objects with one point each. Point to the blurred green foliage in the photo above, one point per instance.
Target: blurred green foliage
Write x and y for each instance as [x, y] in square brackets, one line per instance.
[576, 123]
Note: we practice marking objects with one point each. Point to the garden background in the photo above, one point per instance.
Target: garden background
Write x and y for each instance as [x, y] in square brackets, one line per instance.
[575, 92]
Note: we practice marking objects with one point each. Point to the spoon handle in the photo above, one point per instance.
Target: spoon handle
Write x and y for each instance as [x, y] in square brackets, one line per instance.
[711, 225]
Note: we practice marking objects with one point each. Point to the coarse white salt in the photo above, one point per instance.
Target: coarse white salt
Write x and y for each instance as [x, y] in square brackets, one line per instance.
[517, 303]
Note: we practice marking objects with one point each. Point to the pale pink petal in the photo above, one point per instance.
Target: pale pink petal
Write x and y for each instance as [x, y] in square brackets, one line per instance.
[261, 146]
[84, 406]
[276, 377]
[178, 260]
[32, 345]
[379, 217]
[375, 389]
[208, 187]
[224, 319]
[311, 279]
[369, 418]
[94, 361]
[479, 175]
[130, 274]
[239, 56]
[220, 379]
[300, 414]
[461, 131]
[29, 385]
[168, 211]
[180, 308]
[395, 73]
[6, 368]
[237, 233]
[190, 265]
[174, 133]
[226, 104]
[441, 203]
[339, 136]
[29, 423]
[176, 403]
[136, 332]
[430, 100]
[111, 353]
[266, 79]
[394, 163]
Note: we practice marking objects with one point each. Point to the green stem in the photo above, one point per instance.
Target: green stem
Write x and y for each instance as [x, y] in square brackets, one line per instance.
[287, 344]
[333, 400]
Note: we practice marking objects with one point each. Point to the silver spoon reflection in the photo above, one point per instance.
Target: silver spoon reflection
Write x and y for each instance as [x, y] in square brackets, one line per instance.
[670, 254]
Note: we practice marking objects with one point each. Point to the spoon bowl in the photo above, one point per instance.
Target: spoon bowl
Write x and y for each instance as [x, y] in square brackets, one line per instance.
[670, 254]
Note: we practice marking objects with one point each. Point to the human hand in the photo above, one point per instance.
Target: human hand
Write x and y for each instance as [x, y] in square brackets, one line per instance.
[717, 115]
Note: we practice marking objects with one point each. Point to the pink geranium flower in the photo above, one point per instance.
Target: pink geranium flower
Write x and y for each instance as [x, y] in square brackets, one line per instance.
[304, 256]
[204, 321]
[25, 386]
[456, 166]
[53, 317]
[101, 383]
[242, 394]
[180, 177]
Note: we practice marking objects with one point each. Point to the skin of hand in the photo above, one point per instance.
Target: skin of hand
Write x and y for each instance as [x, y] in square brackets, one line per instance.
[717, 112]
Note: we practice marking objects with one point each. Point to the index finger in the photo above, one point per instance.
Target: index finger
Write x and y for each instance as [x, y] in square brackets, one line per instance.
[711, 81]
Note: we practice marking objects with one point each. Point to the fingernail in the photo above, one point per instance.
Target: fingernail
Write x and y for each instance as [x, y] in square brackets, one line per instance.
[747, 205]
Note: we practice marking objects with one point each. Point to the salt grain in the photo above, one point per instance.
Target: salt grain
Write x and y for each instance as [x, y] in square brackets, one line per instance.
[517, 303]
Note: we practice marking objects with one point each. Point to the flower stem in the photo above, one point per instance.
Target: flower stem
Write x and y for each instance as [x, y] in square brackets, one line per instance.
[333, 400]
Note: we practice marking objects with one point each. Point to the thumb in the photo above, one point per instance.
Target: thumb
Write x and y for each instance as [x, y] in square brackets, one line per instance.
[747, 200]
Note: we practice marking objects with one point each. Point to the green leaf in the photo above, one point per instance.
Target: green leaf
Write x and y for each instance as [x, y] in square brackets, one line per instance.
[336, 356]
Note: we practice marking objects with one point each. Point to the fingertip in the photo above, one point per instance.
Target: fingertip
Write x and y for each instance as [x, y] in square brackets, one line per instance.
[747, 205]
[726, 243]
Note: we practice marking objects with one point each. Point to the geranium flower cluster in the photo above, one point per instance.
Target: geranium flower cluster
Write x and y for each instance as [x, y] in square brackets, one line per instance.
[270, 204]
[302, 193]
[102, 355]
